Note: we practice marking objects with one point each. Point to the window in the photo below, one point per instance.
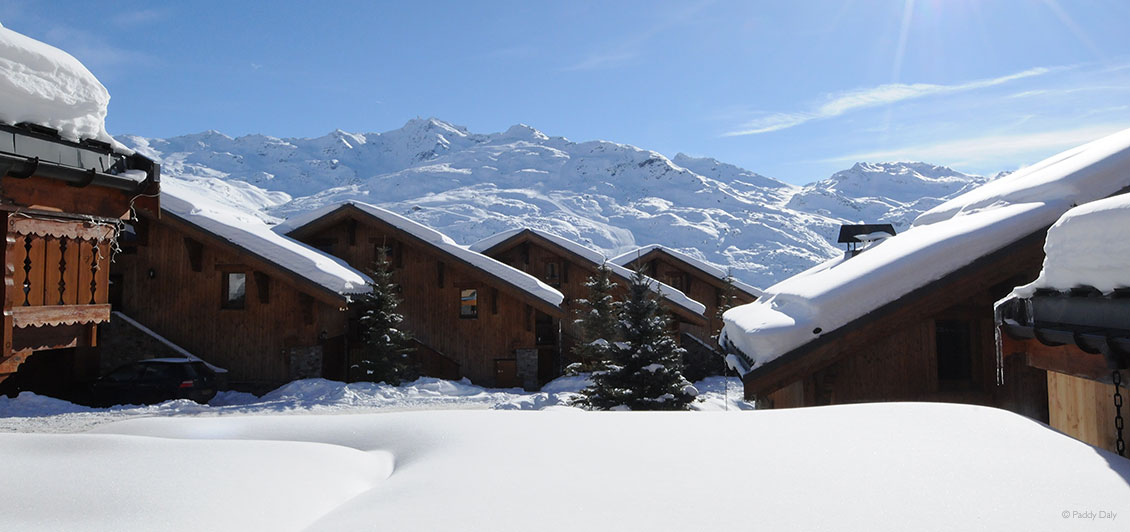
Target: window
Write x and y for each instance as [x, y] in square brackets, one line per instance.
[552, 272]
[954, 344]
[235, 290]
[469, 303]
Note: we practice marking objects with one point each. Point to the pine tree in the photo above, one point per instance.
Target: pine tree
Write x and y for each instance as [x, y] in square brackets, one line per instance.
[597, 318]
[384, 345]
[726, 300]
[645, 371]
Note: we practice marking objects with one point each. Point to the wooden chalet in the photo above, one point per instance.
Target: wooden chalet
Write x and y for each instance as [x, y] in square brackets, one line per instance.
[471, 315]
[63, 204]
[229, 290]
[1077, 332]
[911, 317]
[567, 265]
[935, 343]
[701, 282]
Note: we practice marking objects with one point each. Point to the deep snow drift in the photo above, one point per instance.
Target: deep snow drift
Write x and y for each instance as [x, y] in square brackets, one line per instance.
[875, 467]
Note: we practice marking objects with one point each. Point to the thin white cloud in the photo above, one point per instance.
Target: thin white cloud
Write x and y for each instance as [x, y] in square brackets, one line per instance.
[138, 17]
[1006, 150]
[602, 60]
[93, 49]
[887, 94]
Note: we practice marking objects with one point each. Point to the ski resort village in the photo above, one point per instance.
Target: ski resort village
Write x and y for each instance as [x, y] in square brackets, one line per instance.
[432, 328]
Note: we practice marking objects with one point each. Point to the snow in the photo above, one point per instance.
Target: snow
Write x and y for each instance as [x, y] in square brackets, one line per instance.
[1080, 250]
[516, 278]
[44, 85]
[32, 412]
[119, 482]
[607, 196]
[942, 240]
[251, 233]
[938, 466]
[597, 258]
[708, 269]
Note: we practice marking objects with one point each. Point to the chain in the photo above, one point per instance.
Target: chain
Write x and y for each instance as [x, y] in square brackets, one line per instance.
[1119, 443]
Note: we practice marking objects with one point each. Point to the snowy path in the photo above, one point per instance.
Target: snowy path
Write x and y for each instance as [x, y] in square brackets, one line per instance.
[34, 413]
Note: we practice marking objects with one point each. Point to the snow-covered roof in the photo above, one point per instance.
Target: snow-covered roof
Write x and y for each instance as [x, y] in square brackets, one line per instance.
[597, 258]
[503, 272]
[940, 241]
[1081, 250]
[250, 233]
[709, 269]
[43, 85]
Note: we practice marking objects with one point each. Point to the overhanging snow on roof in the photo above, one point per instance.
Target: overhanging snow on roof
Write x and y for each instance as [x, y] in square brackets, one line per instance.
[250, 233]
[670, 293]
[626, 258]
[798, 310]
[511, 276]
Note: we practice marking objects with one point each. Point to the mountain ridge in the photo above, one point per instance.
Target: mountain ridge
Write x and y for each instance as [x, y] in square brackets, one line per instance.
[603, 194]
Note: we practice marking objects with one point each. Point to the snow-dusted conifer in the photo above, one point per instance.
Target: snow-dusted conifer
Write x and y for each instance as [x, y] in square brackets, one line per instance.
[645, 371]
[597, 318]
[727, 299]
[385, 346]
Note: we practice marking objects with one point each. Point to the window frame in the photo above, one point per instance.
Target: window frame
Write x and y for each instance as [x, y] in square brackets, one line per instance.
[226, 302]
[474, 308]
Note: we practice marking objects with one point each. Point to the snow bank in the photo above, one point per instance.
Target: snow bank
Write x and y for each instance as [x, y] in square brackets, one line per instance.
[35, 413]
[516, 278]
[44, 85]
[942, 240]
[892, 467]
[597, 258]
[120, 483]
[708, 269]
[1080, 250]
[249, 232]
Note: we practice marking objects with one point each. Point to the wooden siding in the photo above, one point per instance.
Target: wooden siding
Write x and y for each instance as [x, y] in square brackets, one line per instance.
[430, 282]
[163, 291]
[891, 354]
[1084, 409]
[532, 254]
[696, 284]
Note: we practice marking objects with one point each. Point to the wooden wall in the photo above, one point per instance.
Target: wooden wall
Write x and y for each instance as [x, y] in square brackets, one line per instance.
[698, 286]
[430, 282]
[892, 354]
[532, 257]
[162, 291]
[1084, 409]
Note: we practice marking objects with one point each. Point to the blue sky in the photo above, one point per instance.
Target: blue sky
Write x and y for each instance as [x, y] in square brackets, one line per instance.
[793, 90]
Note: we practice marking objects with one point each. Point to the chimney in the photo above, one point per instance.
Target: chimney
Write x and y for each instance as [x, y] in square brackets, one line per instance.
[854, 235]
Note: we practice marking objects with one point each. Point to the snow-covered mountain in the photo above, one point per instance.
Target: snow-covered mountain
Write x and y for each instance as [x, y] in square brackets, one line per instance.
[610, 196]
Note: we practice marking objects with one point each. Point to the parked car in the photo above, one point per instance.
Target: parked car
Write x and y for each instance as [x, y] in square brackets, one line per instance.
[156, 380]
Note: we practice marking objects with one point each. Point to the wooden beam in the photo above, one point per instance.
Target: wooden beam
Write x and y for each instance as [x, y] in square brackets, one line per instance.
[51, 315]
[1066, 359]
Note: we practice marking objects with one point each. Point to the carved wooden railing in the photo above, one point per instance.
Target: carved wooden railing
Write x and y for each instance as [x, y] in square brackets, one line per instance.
[56, 283]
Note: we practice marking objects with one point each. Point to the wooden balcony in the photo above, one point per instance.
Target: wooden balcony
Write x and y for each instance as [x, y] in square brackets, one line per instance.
[56, 285]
